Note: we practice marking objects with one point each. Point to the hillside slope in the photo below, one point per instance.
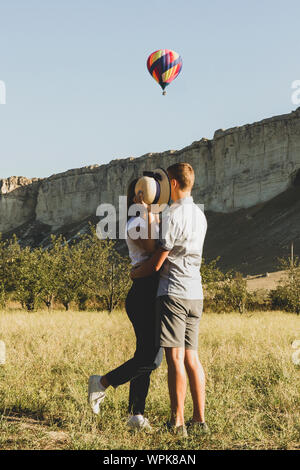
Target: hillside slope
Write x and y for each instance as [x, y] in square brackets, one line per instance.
[251, 240]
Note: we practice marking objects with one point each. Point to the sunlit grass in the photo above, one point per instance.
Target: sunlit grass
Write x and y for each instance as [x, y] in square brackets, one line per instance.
[252, 384]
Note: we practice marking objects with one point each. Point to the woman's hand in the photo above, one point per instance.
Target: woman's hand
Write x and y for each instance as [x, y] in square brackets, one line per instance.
[140, 200]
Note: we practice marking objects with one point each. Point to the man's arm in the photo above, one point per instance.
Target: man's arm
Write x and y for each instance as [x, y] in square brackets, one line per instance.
[150, 266]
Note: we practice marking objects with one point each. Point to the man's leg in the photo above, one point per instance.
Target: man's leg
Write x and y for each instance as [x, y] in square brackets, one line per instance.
[176, 383]
[173, 323]
[197, 383]
[192, 364]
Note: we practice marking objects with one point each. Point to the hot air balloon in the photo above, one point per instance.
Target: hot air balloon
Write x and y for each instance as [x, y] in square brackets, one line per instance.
[164, 66]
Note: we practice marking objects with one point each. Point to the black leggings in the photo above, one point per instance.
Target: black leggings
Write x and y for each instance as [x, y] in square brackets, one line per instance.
[140, 308]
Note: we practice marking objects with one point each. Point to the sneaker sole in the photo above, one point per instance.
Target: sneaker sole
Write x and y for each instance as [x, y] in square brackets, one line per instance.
[94, 407]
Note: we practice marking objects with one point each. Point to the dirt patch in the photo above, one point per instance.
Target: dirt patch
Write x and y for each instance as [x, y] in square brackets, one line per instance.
[267, 281]
[33, 430]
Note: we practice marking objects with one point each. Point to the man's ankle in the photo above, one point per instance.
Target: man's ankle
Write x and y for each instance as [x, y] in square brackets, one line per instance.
[197, 419]
[177, 421]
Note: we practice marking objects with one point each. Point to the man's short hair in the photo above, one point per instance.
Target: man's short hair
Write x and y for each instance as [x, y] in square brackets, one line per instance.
[183, 173]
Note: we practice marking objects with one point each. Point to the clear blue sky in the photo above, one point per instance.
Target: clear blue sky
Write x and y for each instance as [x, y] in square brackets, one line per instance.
[79, 93]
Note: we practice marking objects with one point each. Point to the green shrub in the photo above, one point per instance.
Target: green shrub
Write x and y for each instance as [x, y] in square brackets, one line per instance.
[224, 291]
[258, 300]
[287, 295]
[231, 294]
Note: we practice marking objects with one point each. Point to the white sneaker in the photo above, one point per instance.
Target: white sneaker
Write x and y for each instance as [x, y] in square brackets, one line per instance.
[139, 423]
[96, 392]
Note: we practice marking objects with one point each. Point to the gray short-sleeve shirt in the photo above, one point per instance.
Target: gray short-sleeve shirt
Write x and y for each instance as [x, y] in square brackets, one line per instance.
[183, 229]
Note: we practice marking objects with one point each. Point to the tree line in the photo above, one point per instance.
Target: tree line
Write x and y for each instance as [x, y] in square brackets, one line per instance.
[86, 272]
[91, 274]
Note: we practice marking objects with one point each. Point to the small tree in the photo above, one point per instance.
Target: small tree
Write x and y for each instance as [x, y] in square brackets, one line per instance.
[226, 291]
[231, 293]
[9, 252]
[118, 281]
[107, 277]
[287, 294]
[50, 270]
[237, 292]
[27, 277]
[210, 272]
[70, 268]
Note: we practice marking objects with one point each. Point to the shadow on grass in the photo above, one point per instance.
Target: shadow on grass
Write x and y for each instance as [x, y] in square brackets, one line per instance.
[16, 415]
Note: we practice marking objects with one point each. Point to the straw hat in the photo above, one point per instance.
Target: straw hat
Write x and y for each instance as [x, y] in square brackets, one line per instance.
[155, 186]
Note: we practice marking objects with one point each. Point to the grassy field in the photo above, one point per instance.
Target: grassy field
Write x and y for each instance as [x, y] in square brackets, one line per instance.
[252, 385]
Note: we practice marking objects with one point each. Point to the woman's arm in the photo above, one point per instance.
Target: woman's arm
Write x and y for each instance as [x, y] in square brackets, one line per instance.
[148, 243]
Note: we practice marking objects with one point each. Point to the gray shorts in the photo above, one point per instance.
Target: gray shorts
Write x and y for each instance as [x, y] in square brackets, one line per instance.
[179, 321]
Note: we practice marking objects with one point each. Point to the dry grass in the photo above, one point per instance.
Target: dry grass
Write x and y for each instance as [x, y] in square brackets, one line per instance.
[252, 384]
[269, 282]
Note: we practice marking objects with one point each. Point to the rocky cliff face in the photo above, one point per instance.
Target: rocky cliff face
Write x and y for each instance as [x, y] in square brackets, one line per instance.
[18, 199]
[238, 168]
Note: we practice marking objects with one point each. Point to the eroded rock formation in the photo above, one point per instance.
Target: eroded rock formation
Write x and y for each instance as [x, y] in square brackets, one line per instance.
[238, 168]
[18, 200]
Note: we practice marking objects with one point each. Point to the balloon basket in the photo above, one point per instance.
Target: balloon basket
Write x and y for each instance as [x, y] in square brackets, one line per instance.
[164, 93]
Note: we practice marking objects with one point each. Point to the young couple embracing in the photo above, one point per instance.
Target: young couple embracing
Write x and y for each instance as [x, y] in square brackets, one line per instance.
[165, 301]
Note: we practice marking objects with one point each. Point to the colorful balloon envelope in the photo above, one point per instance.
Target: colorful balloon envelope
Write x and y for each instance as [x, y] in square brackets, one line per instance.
[164, 66]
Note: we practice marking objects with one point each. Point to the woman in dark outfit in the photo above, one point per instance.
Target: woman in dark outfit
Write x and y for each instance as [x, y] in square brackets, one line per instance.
[140, 308]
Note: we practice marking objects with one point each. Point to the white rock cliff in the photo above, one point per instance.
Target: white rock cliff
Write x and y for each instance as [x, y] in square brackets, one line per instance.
[238, 168]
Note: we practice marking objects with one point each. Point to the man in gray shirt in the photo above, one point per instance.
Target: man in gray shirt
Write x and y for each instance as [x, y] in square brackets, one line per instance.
[180, 296]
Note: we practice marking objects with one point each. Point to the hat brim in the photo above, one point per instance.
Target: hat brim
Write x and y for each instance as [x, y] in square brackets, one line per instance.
[148, 185]
[165, 187]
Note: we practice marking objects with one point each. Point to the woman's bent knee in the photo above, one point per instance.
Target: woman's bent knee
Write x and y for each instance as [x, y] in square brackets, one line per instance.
[158, 359]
